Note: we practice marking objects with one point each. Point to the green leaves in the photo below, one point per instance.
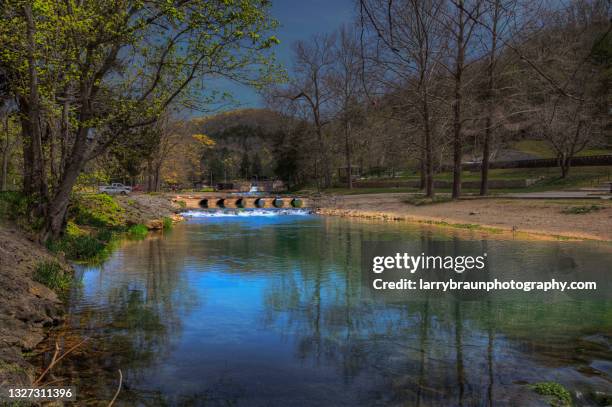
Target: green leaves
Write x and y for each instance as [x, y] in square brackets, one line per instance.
[136, 56]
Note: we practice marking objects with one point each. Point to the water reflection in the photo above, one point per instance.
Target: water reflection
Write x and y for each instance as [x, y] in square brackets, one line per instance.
[273, 312]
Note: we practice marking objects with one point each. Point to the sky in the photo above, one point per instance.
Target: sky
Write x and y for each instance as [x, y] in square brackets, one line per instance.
[299, 20]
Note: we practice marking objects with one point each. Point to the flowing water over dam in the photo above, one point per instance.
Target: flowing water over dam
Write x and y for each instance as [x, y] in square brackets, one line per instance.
[268, 308]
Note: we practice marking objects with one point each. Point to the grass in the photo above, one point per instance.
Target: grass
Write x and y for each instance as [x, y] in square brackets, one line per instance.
[548, 179]
[97, 210]
[137, 232]
[80, 248]
[12, 205]
[420, 201]
[581, 210]
[168, 223]
[359, 191]
[51, 274]
[541, 149]
[465, 226]
[559, 395]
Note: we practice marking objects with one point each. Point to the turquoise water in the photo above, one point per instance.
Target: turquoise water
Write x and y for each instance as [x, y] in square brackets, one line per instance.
[272, 311]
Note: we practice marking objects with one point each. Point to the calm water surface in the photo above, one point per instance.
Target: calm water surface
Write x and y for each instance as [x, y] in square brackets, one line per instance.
[272, 311]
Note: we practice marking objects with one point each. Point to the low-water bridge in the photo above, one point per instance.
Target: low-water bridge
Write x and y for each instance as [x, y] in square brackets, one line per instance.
[234, 200]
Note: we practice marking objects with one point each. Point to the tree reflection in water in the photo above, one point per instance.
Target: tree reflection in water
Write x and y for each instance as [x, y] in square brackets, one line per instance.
[275, 312]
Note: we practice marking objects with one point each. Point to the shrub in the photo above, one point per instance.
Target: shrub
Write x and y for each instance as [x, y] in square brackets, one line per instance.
[13, 205]
[98, 210]
[72, 229]
[52, 275]
[82, 247]
[105, 235]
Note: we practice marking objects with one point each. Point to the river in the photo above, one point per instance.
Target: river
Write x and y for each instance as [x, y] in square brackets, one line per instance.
[272, 310]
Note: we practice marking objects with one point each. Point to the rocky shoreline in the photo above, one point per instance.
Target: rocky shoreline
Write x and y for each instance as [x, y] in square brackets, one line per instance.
[28, 308]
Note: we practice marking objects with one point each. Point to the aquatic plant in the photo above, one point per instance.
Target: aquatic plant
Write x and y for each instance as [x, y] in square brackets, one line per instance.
[560, 396]
[138, 231]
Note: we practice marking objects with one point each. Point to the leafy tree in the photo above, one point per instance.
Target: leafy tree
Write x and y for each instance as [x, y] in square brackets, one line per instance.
[88, 73]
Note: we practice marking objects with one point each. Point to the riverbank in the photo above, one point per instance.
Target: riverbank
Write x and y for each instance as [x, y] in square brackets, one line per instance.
[27, 306]
[546, 218]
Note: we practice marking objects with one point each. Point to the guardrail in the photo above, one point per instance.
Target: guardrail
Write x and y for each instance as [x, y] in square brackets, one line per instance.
[590, 160]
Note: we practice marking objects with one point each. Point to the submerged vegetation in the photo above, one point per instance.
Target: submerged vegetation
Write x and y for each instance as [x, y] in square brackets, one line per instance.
[559, 395]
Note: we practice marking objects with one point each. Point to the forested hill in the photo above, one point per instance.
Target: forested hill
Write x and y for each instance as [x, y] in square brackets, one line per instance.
[242, 143]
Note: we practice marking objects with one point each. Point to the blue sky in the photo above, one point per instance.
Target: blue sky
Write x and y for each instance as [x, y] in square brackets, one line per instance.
[299, 19]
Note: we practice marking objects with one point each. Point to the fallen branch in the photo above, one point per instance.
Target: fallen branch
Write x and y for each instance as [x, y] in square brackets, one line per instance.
[118, 389]
[55, 360]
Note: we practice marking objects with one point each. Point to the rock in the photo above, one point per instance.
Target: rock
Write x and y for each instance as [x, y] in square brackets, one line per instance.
[154, 224]
[601, 398]
[43, 292]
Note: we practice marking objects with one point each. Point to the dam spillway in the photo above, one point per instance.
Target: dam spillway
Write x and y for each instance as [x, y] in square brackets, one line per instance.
[222, 201]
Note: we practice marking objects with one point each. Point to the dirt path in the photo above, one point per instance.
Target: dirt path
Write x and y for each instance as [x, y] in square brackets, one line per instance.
[539, 217]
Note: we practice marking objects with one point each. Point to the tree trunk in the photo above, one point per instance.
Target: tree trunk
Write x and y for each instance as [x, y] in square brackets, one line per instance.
[5, 156]
[422, 168]
[56, 215]
[429, 178]
[565, 163]
[158, 177]
[349, 169]
[324, 161]
[36, 184]
[484, 169]
[3, 180]
[58, 205]
[457, 124]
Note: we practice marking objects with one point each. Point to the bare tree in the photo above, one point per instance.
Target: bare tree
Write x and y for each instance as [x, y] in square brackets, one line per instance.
[345, 83]
[572, 111]
[461, 24]
[309, 88]
[410, 40]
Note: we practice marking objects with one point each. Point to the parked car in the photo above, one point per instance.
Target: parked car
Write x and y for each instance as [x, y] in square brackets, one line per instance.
[115, 188]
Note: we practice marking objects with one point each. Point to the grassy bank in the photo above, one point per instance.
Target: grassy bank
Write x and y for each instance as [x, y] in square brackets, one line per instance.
[548, 179]
[95, 223]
